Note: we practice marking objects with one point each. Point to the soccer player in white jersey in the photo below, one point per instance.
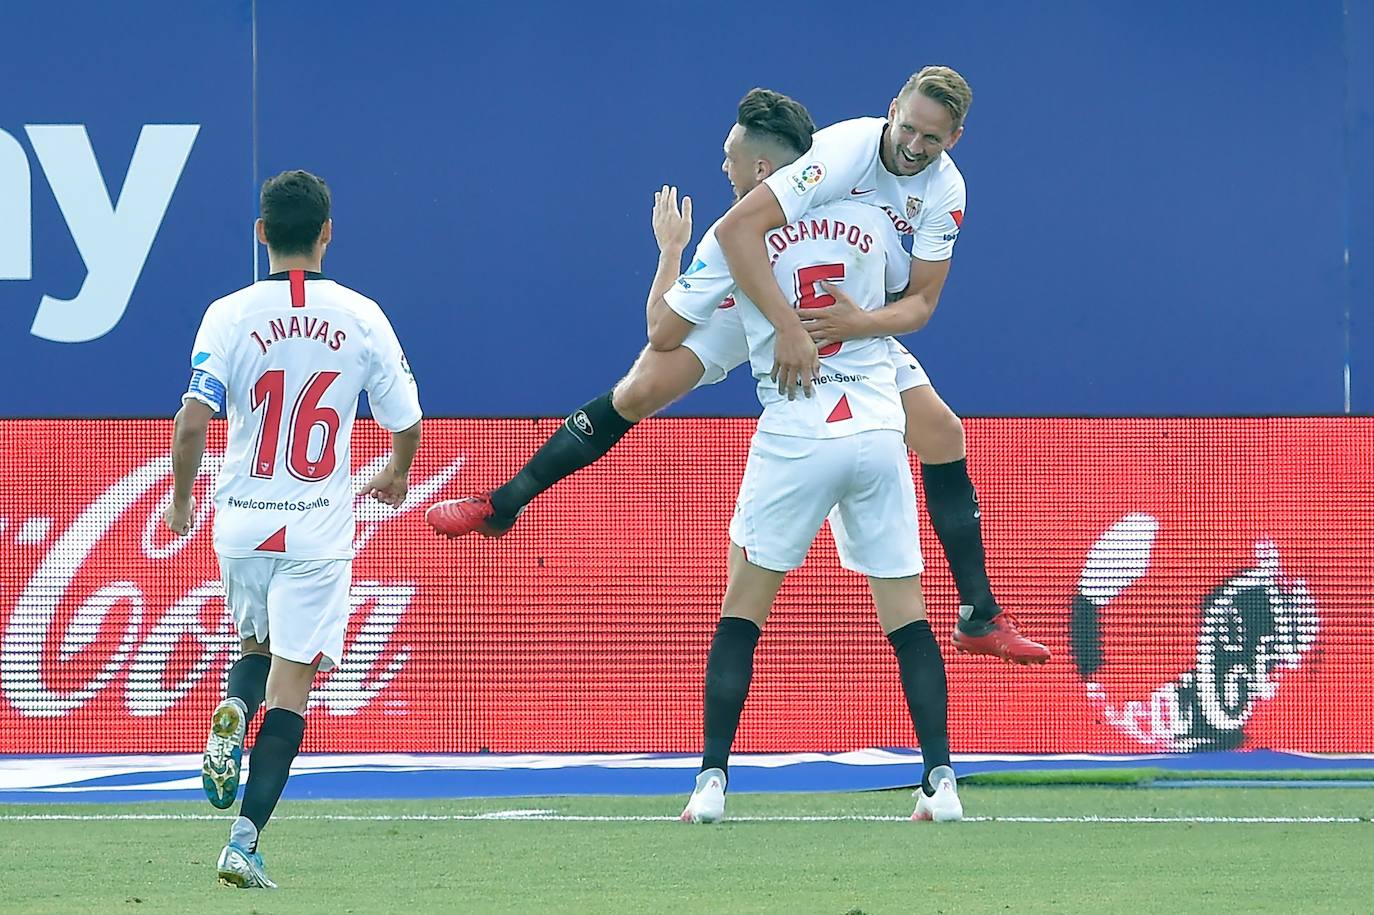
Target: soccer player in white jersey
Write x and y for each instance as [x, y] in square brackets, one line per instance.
[713, 349]
[902, 165]
[286, 359]
[839, 454]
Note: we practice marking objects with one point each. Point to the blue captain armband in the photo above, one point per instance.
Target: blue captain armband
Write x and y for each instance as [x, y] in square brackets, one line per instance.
[206, 388]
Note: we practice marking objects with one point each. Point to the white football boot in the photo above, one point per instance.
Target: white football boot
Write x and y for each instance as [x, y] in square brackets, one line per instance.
[241, 868]
[221, 765]
[707, 803]
[943, 806]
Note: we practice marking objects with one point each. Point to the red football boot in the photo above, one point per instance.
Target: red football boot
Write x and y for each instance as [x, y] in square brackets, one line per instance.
[469, 515]
[1003, 640]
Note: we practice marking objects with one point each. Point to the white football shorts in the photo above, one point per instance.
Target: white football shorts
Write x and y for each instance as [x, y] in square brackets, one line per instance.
[300, 605]
[791, 484]
[721, 346]
[909, 372]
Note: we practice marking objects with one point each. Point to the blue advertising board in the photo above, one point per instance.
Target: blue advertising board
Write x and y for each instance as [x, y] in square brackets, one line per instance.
[1161, 198]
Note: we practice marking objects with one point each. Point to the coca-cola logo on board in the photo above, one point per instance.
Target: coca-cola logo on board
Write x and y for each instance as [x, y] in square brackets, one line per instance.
[1255, 624]
[114, 604]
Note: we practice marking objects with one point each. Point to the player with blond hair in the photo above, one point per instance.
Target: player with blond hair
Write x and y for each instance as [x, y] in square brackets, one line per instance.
[899, 164]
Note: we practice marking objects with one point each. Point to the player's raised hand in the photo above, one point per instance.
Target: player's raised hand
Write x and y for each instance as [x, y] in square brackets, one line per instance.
[841, 320]
[178, 517]
[672, 227]
[389, 486]
[796, 364]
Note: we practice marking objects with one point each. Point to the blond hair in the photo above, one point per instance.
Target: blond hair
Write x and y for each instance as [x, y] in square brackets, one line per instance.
[944, 85]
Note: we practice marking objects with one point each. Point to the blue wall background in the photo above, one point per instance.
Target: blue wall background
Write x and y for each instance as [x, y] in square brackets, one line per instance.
[1171, 208]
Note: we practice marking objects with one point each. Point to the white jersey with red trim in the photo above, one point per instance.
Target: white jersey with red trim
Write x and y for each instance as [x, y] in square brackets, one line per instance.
[286, 358]
[855, 248]
[843, 164]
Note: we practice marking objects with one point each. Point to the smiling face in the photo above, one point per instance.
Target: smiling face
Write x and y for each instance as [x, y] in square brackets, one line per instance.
[919, 128]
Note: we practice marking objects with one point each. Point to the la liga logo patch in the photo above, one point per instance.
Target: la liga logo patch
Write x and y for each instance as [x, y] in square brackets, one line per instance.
[808, 178]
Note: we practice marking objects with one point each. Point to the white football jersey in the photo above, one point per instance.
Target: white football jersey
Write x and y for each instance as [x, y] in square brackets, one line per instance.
[843, 164]
[286, 358]
[855, 248]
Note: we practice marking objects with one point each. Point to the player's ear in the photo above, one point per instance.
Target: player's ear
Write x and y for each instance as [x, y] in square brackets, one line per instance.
[327, 232]
[892, 111]
[762, 168]
[260, 229]
[954, 137]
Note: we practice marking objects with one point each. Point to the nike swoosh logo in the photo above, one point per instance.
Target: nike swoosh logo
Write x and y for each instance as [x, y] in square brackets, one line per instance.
[858, 193]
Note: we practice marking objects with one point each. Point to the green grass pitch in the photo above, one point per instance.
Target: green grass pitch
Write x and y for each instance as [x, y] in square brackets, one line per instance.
[629, 855]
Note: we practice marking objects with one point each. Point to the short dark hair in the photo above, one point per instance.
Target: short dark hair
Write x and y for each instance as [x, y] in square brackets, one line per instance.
[295, 206]
[770, 116]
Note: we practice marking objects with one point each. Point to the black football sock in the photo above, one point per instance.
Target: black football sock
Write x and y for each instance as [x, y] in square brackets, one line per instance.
[588, 433]
[729, 668]
[279, 739]
[248, 681]
[927, 693]
[953, 507]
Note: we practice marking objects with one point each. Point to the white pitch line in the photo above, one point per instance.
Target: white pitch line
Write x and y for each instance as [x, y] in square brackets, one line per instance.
[543, 816]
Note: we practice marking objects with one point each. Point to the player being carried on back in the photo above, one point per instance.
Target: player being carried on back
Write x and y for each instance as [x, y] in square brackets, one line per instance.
[838, 454]
[900, 165]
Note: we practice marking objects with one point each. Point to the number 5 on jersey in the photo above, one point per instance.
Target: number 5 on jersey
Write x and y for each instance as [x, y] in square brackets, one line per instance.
[302, 462]
[809, 294]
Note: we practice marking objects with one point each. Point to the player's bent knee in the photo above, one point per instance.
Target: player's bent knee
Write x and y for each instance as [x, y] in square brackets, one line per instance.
[893, 620]
[288, 684]
[291, 700]
[656, 380]
[629, 400]
[253, 646]
[754, 614]
[938, 439]
[899, 601]
[297, 707]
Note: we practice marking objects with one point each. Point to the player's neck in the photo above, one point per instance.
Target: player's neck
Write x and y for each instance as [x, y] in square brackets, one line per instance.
[885, 152]
[281, 263]
[275, 265]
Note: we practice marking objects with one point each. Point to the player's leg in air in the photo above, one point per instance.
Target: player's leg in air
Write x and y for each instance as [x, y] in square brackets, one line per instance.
[936, 435]
[657, 378]
[308, 615]
[247, 685]
[279, 739]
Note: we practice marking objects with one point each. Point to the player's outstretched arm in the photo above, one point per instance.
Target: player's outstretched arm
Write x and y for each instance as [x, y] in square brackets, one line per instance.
[672, 230]
[392, 482]
[741, 236]
[188, 446]
[906, 314]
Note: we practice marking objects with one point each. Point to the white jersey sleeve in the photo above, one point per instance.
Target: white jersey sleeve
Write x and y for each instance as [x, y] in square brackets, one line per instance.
[941, 218]
[697, 294]
[391, 390]
[841, 157]
[209, 362]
